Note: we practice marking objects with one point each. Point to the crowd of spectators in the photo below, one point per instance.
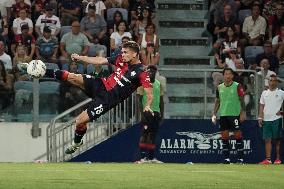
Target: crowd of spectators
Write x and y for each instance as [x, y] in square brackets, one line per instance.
[247, 34]
[51, 30]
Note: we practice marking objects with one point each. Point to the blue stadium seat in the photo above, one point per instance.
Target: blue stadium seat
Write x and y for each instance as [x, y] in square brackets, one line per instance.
[23, 85]
[95, 48]
[80, 68]
[49, 93]
[52, 66]
[90, 68]
[281, 71]
[49, 87]
[23, 96]
[251, 52]
[111, 11]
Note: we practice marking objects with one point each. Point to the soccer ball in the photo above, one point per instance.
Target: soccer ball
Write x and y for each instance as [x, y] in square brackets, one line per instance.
[36, 69]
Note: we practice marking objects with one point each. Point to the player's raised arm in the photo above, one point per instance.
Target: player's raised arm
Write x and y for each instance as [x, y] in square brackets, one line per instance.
[90, 60]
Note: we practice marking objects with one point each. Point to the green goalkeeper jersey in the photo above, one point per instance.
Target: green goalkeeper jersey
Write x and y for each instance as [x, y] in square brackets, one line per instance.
[229, 97]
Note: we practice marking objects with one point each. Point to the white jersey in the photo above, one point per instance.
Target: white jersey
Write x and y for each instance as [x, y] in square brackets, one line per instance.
[53, 23]
[18, 22]
[272, 101]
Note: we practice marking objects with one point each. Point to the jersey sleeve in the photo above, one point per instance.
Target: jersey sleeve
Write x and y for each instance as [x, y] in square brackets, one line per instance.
[115, 60]
[261, 100]
[241, 91]
[145, 80]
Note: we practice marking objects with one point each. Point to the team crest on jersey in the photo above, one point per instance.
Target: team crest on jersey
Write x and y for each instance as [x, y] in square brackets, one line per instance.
[133, 73]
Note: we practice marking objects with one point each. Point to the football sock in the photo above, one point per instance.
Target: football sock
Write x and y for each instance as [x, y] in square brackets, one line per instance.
[226, 147]
[151, 150]
[239, 147]
[79, 133]
[61, 75]
[143, 150]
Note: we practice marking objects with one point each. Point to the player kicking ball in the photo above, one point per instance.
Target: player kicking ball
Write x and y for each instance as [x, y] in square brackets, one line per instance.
[107, 92]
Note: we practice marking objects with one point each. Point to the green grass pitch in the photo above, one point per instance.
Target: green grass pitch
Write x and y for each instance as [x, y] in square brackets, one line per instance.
[142, 176]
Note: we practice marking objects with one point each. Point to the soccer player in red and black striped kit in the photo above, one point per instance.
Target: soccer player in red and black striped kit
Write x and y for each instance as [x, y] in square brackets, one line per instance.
[107, 92]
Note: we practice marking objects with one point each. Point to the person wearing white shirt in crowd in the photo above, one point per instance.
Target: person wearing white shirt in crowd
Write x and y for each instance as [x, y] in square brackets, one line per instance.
[265, 72]
[48, 19]
[100, 6]
[270, 118]
[22, 20]
[278, 45]
[6, 59]
[116, 37]
[254, 27]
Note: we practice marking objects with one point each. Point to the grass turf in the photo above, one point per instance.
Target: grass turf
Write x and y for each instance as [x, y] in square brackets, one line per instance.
[144, 176]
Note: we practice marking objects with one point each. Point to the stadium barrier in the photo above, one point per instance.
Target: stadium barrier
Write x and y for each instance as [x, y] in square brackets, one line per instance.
[179, 141]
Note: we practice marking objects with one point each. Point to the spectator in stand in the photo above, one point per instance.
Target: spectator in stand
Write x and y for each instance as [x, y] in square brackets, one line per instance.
[70, 10]
[117, 4]
[4, 30]
[20, 21]
[149, 37]
[268, 54]
[25, 39]
[48, 19]
[265, 72]
[6, 87]
[142, 22]
[218, 76]
[117, 51]
[224, 22]
[116, 37]
[149, 56]
[269, 9]
[270, 119]
[254, 28]
[5, 8]
[21, 5]
[21, 56]
[112, 24]
[73, 42]
[100, 7]
[94, 26]
[219, 12]
[47, 46]
[231, 42]
[5, 58]
[278, 45]
[136, 9]
[276, 21]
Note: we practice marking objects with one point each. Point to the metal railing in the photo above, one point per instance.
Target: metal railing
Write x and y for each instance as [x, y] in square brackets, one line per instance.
[60, 134]
[205, 74]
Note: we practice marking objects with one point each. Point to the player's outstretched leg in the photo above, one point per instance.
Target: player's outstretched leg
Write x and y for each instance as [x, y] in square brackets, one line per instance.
[80, 131]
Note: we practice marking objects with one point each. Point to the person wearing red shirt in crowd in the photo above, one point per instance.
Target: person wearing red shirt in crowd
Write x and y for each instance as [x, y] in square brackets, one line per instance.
[24, 39]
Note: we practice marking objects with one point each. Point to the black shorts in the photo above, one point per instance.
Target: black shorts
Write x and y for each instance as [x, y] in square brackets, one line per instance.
[96, 90]
[231, 123]
[152, 123]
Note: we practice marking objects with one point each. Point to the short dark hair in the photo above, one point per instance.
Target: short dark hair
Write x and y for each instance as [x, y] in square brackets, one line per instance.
[132, 45]
[92, 6]
[230, 69]
[125, 23]
[125, 37]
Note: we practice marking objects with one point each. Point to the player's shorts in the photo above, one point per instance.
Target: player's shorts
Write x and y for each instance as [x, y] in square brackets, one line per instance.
[152, 122]
[231, 123]
[96, 90]
[272, 129]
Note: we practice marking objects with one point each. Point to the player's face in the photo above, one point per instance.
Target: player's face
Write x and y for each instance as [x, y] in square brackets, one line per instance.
[228, 76]
[128, 55]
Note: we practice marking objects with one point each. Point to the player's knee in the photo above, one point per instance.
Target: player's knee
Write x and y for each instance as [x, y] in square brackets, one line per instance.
[81, 127]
